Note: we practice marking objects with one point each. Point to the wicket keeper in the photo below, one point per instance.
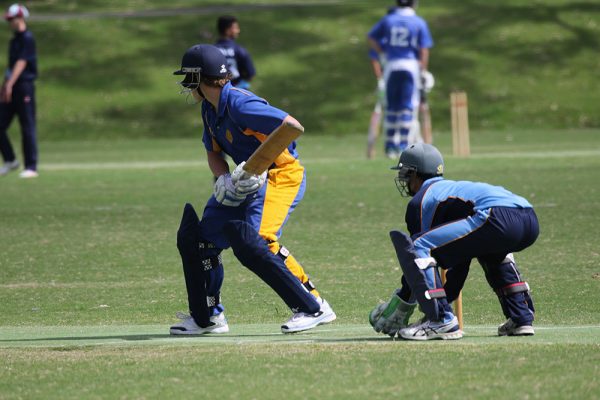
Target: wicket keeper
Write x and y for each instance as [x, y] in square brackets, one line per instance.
[450, 223]
[246, 211]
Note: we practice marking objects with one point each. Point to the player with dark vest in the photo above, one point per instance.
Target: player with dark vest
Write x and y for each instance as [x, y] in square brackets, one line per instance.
[246, 212]
[450, 223]
[17, 95]
[239, 62]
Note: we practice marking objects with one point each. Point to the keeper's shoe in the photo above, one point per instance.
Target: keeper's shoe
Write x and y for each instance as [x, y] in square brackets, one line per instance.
[187, 325]
[428, 330]
[510, 328]
[8, 167]
[303, 321]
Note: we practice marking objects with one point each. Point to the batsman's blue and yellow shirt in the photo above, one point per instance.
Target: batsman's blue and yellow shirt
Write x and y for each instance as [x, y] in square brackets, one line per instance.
[237, 128]
[242, 122]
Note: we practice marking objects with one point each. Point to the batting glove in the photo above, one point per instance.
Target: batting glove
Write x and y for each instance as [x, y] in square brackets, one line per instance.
[246, 183]
[225, 192]
[390, 317]
[427, 81]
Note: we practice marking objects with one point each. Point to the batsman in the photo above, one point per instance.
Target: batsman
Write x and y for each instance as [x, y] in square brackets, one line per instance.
[249, 206]
[451, 223]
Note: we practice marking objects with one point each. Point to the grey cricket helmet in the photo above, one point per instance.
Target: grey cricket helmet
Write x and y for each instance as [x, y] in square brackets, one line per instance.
[422, 158]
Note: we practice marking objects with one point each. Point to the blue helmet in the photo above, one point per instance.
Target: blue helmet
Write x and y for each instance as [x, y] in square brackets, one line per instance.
[202, 60]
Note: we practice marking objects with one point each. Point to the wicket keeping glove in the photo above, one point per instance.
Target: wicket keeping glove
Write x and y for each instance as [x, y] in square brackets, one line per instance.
[226, 193]
[246, 183]
[390, 317]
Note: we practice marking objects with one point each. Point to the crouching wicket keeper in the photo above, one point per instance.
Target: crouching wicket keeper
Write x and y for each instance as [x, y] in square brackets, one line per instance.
[247, 211]
[450, 223]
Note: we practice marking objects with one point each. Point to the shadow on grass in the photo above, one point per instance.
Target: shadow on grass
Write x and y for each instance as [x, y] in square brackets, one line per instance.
[137, 337]
[277, 338]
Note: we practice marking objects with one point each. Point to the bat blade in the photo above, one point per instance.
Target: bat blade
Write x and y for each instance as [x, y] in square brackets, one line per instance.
[269, 150]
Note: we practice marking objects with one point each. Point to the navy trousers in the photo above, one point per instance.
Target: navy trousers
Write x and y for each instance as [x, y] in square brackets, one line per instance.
[23, 105]
[507, 230]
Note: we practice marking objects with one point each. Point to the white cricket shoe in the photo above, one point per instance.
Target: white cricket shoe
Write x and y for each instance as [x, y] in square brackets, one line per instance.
[28, 173]
[509, 328]
[427, 330]
[303, 321]
[9, 166]
[187, 325]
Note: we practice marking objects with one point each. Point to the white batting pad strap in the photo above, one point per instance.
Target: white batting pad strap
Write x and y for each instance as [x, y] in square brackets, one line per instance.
[424, 263]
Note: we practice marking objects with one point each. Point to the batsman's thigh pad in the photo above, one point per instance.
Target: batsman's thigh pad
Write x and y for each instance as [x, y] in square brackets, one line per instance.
[423, 279]
[254, 253]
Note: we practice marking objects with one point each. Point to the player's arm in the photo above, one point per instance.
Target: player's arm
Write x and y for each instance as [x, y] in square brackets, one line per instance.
[249, 176]
[424, 58]
[290, 125]
[413, 218]
[374, 44]
[217, 163]
[17, 70]
[377, 71]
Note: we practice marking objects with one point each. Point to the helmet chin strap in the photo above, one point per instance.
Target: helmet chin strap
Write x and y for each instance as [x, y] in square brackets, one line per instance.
[200, 92]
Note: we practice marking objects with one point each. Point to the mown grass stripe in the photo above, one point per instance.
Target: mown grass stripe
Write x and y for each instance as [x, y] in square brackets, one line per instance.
[124, 165]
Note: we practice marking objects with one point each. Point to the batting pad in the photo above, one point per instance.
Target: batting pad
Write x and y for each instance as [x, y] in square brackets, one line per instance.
[427, 295]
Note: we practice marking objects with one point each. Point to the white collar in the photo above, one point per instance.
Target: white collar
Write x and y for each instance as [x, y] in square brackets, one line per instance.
[406, 11]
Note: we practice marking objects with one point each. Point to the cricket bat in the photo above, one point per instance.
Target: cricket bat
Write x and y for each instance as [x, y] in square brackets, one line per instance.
[270, 149]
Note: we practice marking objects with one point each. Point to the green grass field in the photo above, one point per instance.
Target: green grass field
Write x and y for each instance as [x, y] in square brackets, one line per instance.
[90, 279]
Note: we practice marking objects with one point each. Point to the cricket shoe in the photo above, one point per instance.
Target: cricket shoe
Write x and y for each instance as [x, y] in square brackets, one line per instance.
[302, 321]
[28, 173]
[187, 325]
[510, 328]
[428, 330]
[8, 167]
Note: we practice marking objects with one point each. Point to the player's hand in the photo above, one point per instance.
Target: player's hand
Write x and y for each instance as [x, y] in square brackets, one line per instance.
[391, 316]
[6, 93]
[381, 90]
[225, 192]
[246, 183]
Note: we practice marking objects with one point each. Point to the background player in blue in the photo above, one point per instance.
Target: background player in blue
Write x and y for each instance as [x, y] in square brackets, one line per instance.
[403, 39]
[246, 212]
[239, 62]
[17, 95]
[450, 223]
